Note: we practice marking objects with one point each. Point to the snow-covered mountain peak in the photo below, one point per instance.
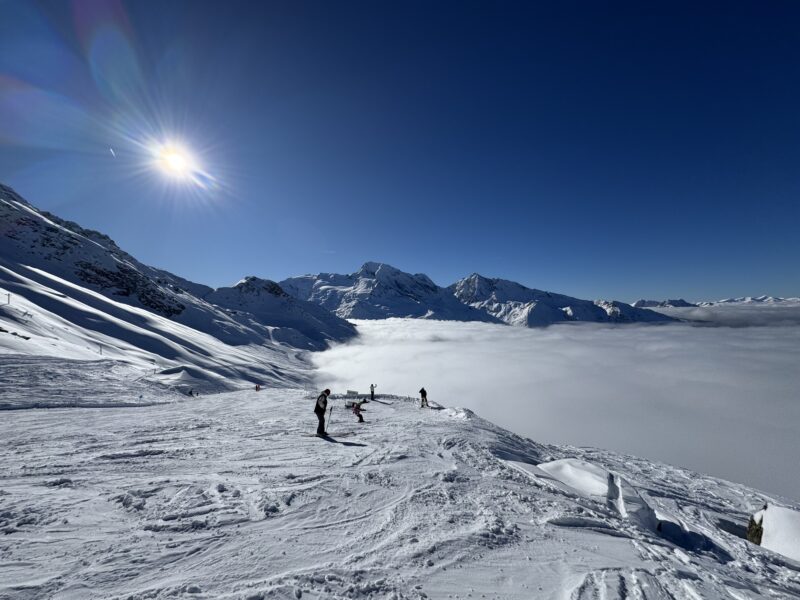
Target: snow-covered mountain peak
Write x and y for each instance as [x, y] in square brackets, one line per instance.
[388, 275]
[379, 291]
[255, 285]
[477, 288]
[515, 304]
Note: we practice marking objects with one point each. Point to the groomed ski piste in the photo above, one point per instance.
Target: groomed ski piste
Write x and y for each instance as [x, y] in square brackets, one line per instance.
[229, 496]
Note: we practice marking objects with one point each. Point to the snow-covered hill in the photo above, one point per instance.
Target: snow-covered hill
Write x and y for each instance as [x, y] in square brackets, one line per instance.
[229, 497]
[379, 291]
[677, 303]
[69, 289]
[516, 304]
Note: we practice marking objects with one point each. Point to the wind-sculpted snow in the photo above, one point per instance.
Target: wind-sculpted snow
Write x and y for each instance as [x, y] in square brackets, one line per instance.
[228, 496]
[717, 399]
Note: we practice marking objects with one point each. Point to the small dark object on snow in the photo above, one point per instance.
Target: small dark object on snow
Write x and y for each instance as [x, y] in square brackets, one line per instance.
[755, 529]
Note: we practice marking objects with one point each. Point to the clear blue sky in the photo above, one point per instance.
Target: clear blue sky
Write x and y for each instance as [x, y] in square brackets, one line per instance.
[597, 149]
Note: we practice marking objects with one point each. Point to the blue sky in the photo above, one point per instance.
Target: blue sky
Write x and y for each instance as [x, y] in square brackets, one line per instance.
[596, 149]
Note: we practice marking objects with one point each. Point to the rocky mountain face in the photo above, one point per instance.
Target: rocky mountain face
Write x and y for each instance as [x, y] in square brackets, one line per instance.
[679, 303]
[40, 246]
[378, 291]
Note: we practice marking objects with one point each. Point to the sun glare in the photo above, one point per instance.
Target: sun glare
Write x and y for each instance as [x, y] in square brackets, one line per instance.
[175, 161]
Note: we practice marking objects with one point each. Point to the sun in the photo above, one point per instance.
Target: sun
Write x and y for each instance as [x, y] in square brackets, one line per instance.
[175, 161]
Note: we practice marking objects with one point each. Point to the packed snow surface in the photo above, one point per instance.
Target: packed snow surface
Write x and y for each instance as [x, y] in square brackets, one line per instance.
[228, 496]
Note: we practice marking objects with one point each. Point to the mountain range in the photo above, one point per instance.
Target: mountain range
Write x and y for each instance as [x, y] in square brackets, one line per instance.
[379, 291]
[76, 293]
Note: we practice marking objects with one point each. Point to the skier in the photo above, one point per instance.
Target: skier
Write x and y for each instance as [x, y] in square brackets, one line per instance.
[319, 409]
[357, 411]
[372, 387]
[424, 401]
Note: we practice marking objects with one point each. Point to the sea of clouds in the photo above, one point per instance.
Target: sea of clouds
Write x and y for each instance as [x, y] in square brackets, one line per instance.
[721, 400]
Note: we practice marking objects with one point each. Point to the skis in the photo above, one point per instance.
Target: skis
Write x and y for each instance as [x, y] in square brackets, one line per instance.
[330, 435]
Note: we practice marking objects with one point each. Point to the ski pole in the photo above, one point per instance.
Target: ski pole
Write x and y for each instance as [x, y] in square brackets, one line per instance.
[330, 414]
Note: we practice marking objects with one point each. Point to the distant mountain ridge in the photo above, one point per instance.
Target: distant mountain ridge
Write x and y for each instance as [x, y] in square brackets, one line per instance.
[678, 303]
[378, 291]
[752, 300]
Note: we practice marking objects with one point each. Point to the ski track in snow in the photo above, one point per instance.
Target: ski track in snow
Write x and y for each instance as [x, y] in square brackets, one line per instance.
[224, 496]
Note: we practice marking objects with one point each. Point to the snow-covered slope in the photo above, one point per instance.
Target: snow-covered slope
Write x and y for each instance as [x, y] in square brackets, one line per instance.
[678, 303]
[228, 497]
[49, 316]
[379, 291]
[72, 288]
[516, 304]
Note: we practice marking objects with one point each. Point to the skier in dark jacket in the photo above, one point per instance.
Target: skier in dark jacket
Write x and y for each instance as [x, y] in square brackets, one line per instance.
[357, 411]
[424, 398]
[372, 391]
[319, 409]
